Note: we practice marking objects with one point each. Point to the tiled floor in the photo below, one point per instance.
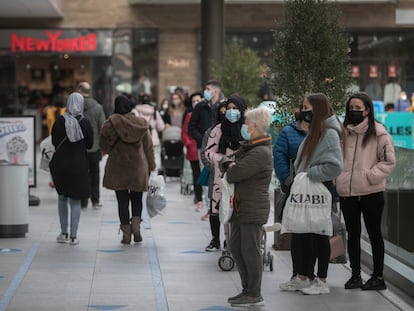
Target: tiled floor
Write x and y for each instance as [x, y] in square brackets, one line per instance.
[168, 271]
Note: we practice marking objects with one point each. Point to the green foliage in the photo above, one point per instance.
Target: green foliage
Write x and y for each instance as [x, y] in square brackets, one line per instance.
[310, 55]
[239, 73]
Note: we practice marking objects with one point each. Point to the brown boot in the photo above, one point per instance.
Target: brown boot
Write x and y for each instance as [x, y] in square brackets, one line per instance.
[136, 227]
[126, 230]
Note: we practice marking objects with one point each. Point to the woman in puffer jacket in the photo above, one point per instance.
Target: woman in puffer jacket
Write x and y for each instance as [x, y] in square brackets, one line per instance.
[369, 159]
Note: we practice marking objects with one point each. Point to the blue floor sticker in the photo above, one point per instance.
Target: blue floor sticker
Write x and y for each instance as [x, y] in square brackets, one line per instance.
[111, 250]
[109, 307]
[9, 250]
[217, 308]
[192, 252]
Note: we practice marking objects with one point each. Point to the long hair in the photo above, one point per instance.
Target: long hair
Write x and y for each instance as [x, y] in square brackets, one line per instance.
[322, 109]
[371, 132]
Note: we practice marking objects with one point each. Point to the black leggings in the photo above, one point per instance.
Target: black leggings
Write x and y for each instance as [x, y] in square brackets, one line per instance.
[371, 207]
[123, 197]
[195, 168]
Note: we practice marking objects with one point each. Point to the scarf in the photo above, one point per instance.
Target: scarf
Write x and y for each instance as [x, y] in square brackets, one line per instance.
[74, 109]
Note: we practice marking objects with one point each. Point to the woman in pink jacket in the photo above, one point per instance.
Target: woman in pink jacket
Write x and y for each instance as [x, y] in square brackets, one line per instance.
[224, 139]
[369, 158]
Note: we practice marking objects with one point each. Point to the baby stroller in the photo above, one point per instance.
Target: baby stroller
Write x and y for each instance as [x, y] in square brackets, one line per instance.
[226, 261]
[172, 155]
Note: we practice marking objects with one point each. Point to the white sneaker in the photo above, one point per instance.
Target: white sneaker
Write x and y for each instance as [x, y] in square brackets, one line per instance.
[294, 284]
[317, 287]
[62, 238]
[74, 241]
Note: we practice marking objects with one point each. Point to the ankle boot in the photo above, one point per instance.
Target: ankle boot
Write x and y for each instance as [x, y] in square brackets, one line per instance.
[136, 227]
[126, 230]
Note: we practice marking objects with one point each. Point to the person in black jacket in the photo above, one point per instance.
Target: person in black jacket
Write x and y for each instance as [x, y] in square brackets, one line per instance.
[72, 134]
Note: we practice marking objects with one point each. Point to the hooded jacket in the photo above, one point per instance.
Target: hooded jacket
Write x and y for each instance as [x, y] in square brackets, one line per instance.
[366, 167]
[127, 141]
[251, 175]
[326, 162]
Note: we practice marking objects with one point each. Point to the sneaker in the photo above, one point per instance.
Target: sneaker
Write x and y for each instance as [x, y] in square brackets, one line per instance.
[247, 301]
[273, 228]
[62, 238]
[235, 298]
[97, 205]
[73, 240]
[317, 287]
[294, 284]
[374, 283]
[213, 246]
[354, 282]
[199, 207]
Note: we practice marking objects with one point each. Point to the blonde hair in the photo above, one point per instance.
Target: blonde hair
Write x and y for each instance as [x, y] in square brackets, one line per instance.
[261, 117]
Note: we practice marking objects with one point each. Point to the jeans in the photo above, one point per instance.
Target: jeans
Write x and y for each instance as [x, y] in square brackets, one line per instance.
[371, 207]
[64, 203]
[246, 250]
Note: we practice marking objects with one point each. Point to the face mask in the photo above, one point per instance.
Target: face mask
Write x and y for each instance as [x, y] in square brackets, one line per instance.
[355, 116]
[244, 133]
[404, 97]
[233, 115]
[176, 102]
[306, 116]
[207, 95]
[164, 106]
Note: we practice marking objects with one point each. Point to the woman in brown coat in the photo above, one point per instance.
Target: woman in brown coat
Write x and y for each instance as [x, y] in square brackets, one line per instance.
[127, 141]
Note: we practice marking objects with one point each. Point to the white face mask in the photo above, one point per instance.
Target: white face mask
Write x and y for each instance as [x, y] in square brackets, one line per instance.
[404, 97]
[176, 102]
[165, 106]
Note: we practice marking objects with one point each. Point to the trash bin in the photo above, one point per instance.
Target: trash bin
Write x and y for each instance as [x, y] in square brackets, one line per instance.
[14, 200]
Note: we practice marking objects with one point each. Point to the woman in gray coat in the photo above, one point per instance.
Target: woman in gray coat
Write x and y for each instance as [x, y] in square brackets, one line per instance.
[251, 173]
[127, 141]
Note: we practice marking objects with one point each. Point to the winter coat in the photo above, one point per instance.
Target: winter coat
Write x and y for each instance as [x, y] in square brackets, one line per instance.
[251, 174]
[127, 141]
[96, 115]
[188, 141]
[366, 167]
[154, 119]
[326, 162]
[284, 152]
[201, 119]
[214, 156]
[69, 165]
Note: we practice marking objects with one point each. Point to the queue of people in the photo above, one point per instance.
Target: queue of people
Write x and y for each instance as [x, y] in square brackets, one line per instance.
[224, 136]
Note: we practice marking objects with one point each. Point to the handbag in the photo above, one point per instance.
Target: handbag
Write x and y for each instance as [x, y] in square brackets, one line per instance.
[47, 151]
[227, 200]
[204, 176]
[308, 207]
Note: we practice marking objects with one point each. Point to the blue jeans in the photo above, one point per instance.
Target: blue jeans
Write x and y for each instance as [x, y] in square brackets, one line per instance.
[75, 207]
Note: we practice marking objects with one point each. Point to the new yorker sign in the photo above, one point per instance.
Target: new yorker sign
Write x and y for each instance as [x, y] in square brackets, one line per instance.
[30, 41]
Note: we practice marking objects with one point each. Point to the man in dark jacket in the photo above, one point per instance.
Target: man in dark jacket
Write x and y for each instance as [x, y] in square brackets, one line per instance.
[204, 112]
[95, 114]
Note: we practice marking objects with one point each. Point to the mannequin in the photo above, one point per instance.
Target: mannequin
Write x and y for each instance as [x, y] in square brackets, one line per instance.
[392, 91]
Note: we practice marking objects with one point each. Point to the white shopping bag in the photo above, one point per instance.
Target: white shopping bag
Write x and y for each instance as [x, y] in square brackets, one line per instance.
[308, 208]
[156, 201]
[226, 202]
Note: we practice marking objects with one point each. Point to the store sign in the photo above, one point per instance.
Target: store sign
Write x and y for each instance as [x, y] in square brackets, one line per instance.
[399, 125]
[52, 43]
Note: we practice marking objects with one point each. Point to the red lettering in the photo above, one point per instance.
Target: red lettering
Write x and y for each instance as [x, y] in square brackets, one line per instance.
[16, 43]
[82, 44]
[92, 42]
[74, 45]
[30, 44]
[42, 45]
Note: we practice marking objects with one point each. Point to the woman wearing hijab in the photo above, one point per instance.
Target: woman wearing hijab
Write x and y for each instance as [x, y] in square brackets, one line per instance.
[72, 134]
[224, 140]
[127, 141]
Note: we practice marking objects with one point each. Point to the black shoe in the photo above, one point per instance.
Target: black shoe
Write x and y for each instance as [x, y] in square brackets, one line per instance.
[213, 246]
[374, 283]
[235, 298]
[354, 282]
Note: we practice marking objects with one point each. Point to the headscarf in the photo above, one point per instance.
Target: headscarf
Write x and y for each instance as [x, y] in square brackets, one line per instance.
[122, 104]
[230, 132]
[74, 108]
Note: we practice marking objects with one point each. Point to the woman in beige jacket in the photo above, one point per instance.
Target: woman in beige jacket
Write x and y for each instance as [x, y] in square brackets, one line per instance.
[369, 158]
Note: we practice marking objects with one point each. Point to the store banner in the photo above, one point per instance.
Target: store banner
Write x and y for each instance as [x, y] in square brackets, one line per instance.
[400, 127]
[17, 143]
[355, 71]
[373, 71]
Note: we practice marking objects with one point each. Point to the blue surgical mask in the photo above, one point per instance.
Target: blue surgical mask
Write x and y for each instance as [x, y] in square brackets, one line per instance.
[244, 133]
[207, 95]
[233, 115]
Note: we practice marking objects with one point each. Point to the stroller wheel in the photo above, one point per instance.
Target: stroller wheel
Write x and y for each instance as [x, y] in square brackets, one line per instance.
[271, 262]
[226, 262]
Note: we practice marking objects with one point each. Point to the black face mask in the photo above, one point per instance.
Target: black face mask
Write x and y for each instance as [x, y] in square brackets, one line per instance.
[306, 116]
[355, 117]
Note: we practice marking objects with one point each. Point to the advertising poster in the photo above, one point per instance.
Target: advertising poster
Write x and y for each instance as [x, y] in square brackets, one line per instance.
[17, 143]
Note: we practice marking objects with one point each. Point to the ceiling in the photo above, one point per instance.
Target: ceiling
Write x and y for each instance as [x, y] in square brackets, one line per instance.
[29, 9]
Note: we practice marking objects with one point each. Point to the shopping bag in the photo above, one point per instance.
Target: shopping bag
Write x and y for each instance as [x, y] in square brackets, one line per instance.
[226, 202]
[280, 202]
[308, 208]
[47, 150]
[202, 179]
[156, 201]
